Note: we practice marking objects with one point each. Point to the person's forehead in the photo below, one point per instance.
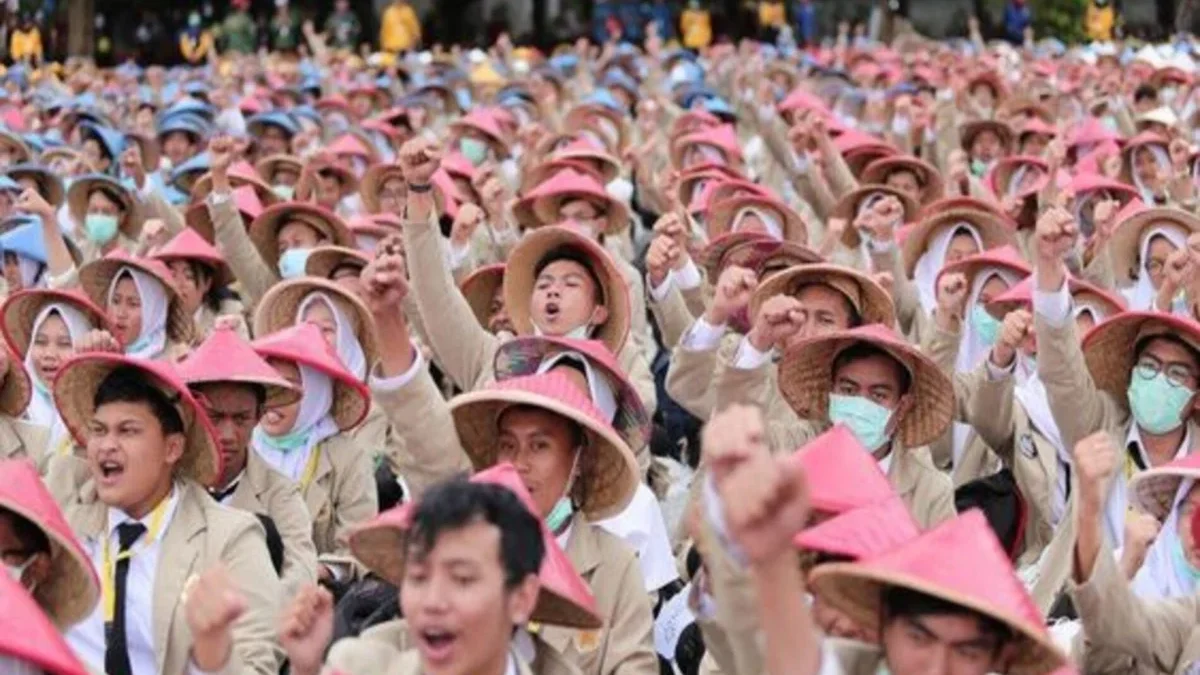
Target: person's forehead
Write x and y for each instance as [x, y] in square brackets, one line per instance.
[877, 368]
[822, 295]
[477, 542]
[531, 420]
[116, 411]
[565, 267]
[1168, 350]
[224, 394]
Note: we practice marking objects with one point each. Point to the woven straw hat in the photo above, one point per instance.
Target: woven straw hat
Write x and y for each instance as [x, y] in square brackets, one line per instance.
[520, 278]
[81, 190]
[75, 390]
[930, 180]
[847, 209]
[304, 344]
[264, 231]
[806, 376]
[306, 187]
[28, 636]
[722, 214]
[1110, 349]
[267, 166]
[49, 184]
[564, 598]
[240, 174]
[1006, 258]
[970, 130]
[523, 356]
[73, 588]
[278, 308]
[584, 150]
[227, 357]
[1000, 176]
[869, 299]
[480, 287]
[758, 252]
[980, 579]
[993, 232]
[97, 276]
[324, 260]
[609, 476]
[1021, 295]
[22, 308]
[541, 207]
[198, 218]
[1154, 490]
[1125, 245]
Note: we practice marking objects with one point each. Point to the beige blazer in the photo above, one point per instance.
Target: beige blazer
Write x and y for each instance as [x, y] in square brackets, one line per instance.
[692, 376]
[267, 492]
[359, 656]
[1151, 636]
[977, 459]
[672, 316]
[340, 495]
[248, 267]
[202, 535]
[394, 633]
[20, 439]
[625, 645]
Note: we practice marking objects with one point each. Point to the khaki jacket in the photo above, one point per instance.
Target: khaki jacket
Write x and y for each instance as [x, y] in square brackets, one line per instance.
[202, 535]
[692, 375]
[20, 439]
[206, 319]
[977, 460]
[251, 271]
[467, 351]
[267, 492]
[340, 495]
[625, 645]
[422, 423]
[672, 316]
[394, 633]
[1151, 637]
[360, 656]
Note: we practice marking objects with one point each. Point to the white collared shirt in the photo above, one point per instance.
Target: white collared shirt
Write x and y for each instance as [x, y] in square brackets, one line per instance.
[87, 637]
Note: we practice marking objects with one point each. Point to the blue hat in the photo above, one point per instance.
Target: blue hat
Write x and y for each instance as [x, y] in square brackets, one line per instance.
[689, 97]
[54, 189]
[197, 164]
[111, 140]
[174, 196]
[565, 64]
[310, 85]
[615, 77]
[274, 118]
[35, 142]
[307, 112]
[721, 108]
[26, 241]
[189, 123]
[196, 88]
[146, 97]
[604, 98]
[191, 105]
[7, 184]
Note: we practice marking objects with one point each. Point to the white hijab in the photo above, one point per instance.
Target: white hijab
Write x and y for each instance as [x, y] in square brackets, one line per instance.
[32, 272]
[42, 410]
[10, 665]
[1162, 576]
[1142, 294]
[314, 423]
[349, 349]
[934, 259]
[769, 220]
[603, 395]
[1164, 164]
[151, 342]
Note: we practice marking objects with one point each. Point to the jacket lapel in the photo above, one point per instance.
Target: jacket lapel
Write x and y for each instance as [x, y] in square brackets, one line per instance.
[10, 442]
[902, 474]
[584, 553]
[249, 493]
[177, 557]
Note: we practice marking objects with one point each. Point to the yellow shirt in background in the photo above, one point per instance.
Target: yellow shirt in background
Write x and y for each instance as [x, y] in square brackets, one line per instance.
[772, 14]
[26, 45]
[695, 25]
[400, 29]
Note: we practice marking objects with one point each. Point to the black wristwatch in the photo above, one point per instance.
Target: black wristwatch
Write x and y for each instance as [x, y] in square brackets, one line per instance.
[420, 188]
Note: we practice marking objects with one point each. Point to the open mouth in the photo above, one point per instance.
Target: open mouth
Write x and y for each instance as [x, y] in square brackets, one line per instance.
[552, 310]
[438, 644]
[111, 471]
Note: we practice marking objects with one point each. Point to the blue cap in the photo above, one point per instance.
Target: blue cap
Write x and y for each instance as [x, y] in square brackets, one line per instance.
[35, 142]
[174, 196]
[565, 64]
[274, 118]
[195, 88]
[615, 77]
[690, 97]
[197, 164]
[26, 241]
[307, 112]
[110, 139]
[604, 98]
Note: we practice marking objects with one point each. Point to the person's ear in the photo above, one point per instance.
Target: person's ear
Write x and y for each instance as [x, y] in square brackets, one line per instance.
[599, 315]
[899, 413]
[522, 599]
[175, 446]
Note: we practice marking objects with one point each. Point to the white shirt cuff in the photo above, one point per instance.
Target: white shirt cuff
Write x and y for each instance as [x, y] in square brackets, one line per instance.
[457, 256]
[880, 247]
[688, 276]
[506, 236]
[218, 198]
[748, 357]
[1053, 306]
[714, 510]
[995, 373]
[659, 293]
[702, 336]
[397, 382]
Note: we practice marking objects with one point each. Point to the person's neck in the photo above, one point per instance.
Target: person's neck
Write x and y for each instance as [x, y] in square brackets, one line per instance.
[1161, 449]
[498, 664]
[144, 507]
[232, 471]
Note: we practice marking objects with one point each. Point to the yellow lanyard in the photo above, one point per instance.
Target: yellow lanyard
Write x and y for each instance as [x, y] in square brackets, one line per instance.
[64, 446]
[310, 469]
[107, 581]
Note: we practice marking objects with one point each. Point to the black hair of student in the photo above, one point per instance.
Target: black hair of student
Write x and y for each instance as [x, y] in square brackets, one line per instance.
[572, 254]
[865, 350]
[457, 503]
[109, 193]
[904, 603]
[1145, 92]
[212, 299]
[33, 539]
[130, 385]
[690, 649]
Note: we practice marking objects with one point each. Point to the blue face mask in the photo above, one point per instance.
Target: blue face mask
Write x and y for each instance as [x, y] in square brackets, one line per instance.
[285, 192]
[866, 419]
[473, 149]
[100, 228]
[284, 444]
[986, 326]
[1157, 404]
[560, 514]
[292, 262]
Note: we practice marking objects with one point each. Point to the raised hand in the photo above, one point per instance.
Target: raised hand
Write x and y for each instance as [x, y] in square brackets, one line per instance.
[952, 295]
[661, 258]
[779, 318]
[212, 604]
[1095, 462]
[306, 628]
[734, 288]
[419, 159]
[1017, 327]
[385, 279]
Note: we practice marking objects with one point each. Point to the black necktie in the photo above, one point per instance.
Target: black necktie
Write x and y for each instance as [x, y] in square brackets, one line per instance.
[116, 652]
[219, 494]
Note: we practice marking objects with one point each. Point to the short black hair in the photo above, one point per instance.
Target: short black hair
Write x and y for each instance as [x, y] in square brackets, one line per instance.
[260, 392]
[456, 503]
[865, 350]
[110, 193]
[1145, 92]
[130, 385]
[33, 539]
[898, 602]
[572, 254]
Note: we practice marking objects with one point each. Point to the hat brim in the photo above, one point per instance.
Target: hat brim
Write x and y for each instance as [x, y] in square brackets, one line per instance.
[480, 288]
[993, 232]
[1125, 245]
[325, 260]
[546, 208]
[857, 589]
[97, 276]
[264, 231]
[1110, 349]
[81, 190]
[611, 475]
[721, 215]
[872, 303]
[72, 590]
[932, 187]
[519, 280]
[22, 308]
[806, 377]
[278, 308]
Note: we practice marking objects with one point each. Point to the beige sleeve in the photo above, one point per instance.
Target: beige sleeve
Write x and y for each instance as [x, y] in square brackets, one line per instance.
[1078, 406]
[286, 507]
[247, 265]
[255, 642]
[672, 316]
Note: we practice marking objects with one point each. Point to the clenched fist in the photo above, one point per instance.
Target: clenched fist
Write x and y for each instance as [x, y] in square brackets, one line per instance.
[779, 318]
[1096, 458]
[1017, 327]
[212, 605]
[419, 159]
[661, 258]
[732, 294]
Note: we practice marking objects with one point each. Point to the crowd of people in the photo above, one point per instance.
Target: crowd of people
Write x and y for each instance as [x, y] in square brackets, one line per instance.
[618, 360]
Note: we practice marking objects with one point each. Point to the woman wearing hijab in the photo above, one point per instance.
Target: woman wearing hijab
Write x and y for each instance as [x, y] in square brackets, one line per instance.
[308, 441]
[1142, 250]
[1170, 494]
[1147, 167]
[43, 327]
[145, 310]
[25, 260]
[202, 278]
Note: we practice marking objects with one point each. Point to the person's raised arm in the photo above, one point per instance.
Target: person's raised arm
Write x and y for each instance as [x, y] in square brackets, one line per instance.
[58, 257]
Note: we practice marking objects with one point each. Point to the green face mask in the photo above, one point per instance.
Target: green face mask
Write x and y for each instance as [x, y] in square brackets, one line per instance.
[474, 150]
[1157, 403]
[866, 419]
[986, 326]
[560, 514]
[285, 192]
[283, 444]
[100, 228]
